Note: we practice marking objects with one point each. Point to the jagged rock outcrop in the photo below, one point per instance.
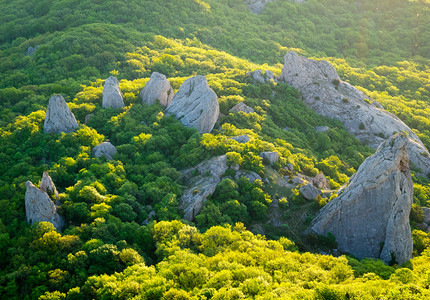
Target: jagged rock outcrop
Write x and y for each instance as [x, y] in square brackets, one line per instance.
[59, 118]
[242, 139]
[48, 186]
[325, 93]
[270, 157]
[242, 107]
[309, 192]
[39, 207]
[371, 217]
[202, 185]
[157, 88]
[196, 104]
[112, 96]
[257, 6]
[105, 149]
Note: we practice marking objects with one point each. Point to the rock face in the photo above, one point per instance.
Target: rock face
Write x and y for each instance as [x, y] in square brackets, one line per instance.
[59, 118]
[196, 104]
[327, 95]
[157, 88]
[105, 149]
[242, 107]
[371, 217]
[309, 192]
[209, 174]
[271, 157]
[48, 186]
[39, 207]
[112, 96]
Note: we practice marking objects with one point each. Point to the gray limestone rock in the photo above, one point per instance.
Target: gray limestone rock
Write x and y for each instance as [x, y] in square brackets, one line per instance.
[112, 96]
[325, 93]
[242, 107]
[59, 118]
[39, 207]
[297, 180]
[201, 181]
[196, 104]
[320, 181]
[157, 88]
[309, 192]
[105, 149]
[250, 175]
[270, 157]
[426, 211]
[241, 139]
[48, 186]
[371, 217]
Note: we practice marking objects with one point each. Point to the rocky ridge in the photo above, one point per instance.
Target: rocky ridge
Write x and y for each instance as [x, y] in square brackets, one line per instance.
[371, 217]
[59, 118]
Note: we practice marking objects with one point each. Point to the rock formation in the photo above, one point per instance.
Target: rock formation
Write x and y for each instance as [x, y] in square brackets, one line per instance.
[157, 88]
[242, 107]
[371, 217]
[196, 104]
[39, 207]
[327, 95]
[59, 118]
[48, 186]
[112, 96]
[202, 185]
[270, 157]
[105, 149]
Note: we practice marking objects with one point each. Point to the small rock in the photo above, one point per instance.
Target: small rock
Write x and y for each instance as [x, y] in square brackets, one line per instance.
[235, 167]
[157, 88]
[242, 139]
[270, 157]
[250, 175]
[426, 211]
[297, 180]
[150, 216]
[31, 50]
[242, 107]
[105, 149]
[269, 76]
[290, 167]
[309, 192]
[59, 118]
[322, 128]
[88, 118]
[112, 96]
[320, 181]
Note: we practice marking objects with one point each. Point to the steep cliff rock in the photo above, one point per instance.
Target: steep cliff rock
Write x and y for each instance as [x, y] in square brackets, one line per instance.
[202, 185]
[325, 93]
[371, 217]
[48, 186]
[157, 88]
[112, 96]
[59, 118]
[105, 149]
[196, 104]
[39, 207]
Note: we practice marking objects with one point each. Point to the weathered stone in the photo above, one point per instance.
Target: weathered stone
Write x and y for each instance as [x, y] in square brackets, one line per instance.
[297, 180]
[241, 139]
[257, 76]
[59, 118]
[201, 185]
[105, 149]
[309, 192]
[270, 157]
[269, 76]
[320, 181]
[157, 88]
[31, 50]
[426, 211]
[371, 217]
[250, 175]
[289, 167]
[112, 96]
[257, 6]
[48, 186]
[39, 207]
[322, 128]
[242, 107]
[196, 104]
[88, 118]
[327, 95]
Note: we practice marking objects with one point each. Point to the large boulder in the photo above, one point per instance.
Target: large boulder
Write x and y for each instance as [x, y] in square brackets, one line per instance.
[112, 96]
[325, 93]
[157, 88]
[48, 186]
[202, 181]
[105, 149]
[196, 104]
[371, 217]
[59, 118]
[39, 207]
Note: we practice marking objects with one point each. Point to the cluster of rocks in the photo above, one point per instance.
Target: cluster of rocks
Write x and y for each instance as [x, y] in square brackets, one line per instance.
[371, 217]
[259, 77]
[39, 206]
[325, 93]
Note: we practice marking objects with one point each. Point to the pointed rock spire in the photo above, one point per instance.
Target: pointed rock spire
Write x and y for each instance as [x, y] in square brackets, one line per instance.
[59, 118]
[371, 217]
[48, 186]
[157, 88]
[112, 96]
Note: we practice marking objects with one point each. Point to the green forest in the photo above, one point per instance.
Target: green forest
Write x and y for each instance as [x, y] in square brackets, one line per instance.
[125, 235]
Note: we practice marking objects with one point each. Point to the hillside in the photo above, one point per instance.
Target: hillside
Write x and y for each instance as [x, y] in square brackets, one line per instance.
[126, 233]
